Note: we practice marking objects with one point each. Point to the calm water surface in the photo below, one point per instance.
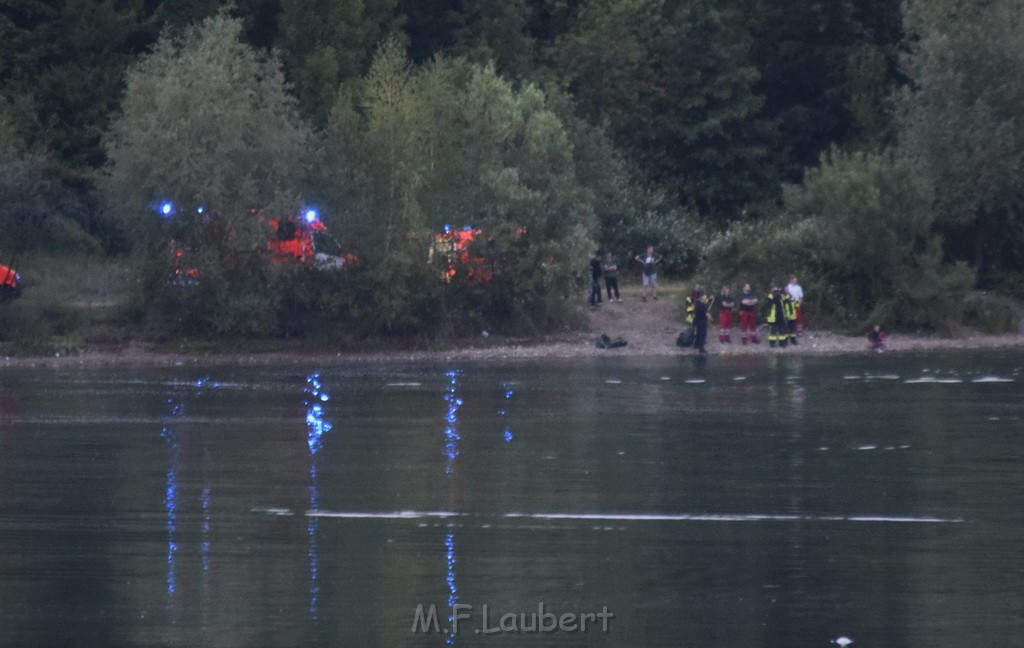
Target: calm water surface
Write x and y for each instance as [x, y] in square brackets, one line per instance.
[770, 501]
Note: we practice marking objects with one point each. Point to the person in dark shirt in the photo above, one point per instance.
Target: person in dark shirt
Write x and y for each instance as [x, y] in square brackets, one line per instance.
[596, 272]
[700, 321]
[876, 339]
[610, 266]
[725, 305]
[748, 315]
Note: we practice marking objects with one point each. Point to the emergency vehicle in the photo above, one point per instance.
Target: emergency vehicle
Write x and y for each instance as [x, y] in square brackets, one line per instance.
[301, 238]
[453, 247]
[464, 253]
[10, 284]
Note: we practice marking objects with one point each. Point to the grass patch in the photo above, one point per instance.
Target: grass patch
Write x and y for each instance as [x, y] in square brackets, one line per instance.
[67, 303]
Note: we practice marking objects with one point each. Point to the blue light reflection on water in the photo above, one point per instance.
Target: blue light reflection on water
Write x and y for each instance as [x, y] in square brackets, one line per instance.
[169, 435]
[453, 589]
[204, 547]
[451, 446]
[316, 427]
[170, 432]
[503, 412]
[451, 433]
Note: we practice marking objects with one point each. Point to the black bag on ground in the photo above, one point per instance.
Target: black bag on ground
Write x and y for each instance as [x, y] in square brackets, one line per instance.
[687, 337]
[605, 342]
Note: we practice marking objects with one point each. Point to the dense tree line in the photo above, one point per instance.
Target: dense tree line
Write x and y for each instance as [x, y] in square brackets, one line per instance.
[579, 122]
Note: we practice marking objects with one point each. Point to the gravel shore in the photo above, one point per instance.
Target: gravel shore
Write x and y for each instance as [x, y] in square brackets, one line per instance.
[649, 327]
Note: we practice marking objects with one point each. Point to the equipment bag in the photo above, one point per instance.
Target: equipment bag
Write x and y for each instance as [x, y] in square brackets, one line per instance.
[687, 337]
[605, 342]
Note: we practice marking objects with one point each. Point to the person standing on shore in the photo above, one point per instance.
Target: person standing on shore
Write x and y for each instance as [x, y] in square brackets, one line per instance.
[778, 332]
[691, 303]
[876, 339]
[700, 321]
[610, 267]
[649, 272]
[748, 315]
[797, 294]
[725, 305]
[595, 280]
[789, 313]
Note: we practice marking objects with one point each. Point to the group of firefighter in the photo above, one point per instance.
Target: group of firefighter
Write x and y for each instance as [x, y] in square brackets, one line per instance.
[782, 308]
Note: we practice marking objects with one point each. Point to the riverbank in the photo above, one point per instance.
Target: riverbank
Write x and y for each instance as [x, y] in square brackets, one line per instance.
[649, 327]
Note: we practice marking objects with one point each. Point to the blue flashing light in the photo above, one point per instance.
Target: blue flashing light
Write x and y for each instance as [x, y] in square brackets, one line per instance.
[467, 228]
[447, 228]
[166, 209]
[311, 216]
[200, 209]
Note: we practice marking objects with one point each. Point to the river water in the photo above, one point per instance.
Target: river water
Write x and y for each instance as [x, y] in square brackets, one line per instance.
[772, 501]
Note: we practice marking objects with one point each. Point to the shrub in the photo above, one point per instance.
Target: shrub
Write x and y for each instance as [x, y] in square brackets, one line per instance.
[991, 313]
[859, 234]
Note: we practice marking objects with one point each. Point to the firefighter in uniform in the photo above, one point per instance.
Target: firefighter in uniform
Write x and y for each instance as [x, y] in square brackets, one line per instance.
[789, 313]
[691, 303]
[778, 327]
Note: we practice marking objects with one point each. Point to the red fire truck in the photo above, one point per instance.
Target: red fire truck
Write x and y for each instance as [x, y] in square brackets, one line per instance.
[302, 238]
[453, 247]
[463, 253]
[10, 283]
[305, 239]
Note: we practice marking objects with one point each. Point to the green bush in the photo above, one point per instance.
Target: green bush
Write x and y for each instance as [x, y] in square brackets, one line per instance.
[991, 313]
[67, 300]
[677, 236]
[452, 143]
[859, 234]
[36, 210]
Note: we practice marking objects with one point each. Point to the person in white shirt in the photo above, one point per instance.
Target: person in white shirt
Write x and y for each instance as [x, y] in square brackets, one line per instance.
[649, 272]
[797, 294]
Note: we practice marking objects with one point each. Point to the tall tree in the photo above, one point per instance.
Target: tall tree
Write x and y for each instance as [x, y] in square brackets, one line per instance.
[672, 82]
[327, 43]
[69, 57]
[427, 26]
[206, 120]
[495, 31]
[36, 210]
[825, 69]
[962, 123]
[453, 142]
[208, 124]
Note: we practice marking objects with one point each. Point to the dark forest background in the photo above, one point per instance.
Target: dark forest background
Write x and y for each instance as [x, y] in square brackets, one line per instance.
[871, 146]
